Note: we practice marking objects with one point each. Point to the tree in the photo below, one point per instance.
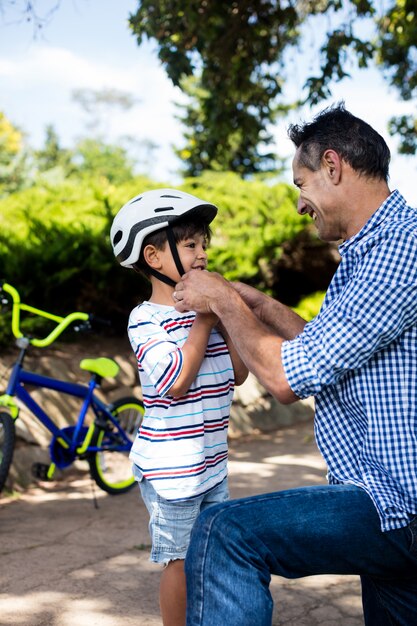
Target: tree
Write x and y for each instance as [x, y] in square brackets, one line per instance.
[96, 102]
[397, 54]
[393, 47]
[94, 157]
[13, 158]
[96, 149]
[229, 47]
[26, 10]
[52, 155]
[238, 50]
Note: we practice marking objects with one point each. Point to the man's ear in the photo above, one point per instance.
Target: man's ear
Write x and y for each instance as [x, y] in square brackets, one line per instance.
[151, 256]
[333, 165]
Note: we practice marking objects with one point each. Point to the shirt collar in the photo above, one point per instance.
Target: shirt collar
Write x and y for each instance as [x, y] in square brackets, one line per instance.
[394, 201]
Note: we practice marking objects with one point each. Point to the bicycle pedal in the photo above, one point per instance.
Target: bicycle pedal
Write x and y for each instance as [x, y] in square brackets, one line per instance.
[40, 471]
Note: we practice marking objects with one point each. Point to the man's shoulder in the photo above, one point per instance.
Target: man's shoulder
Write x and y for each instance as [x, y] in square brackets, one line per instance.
[398, 231]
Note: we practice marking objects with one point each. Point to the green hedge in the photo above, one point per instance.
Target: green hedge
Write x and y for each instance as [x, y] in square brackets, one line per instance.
[254, 221]
[309, 306]
[55, 248]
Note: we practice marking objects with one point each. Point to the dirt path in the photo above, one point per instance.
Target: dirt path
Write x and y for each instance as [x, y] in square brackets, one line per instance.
[64, 562]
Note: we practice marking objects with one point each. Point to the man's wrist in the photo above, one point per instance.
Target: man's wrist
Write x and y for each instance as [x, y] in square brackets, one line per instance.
[226, 302]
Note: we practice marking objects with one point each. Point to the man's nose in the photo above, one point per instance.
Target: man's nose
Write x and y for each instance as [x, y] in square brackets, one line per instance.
[301, 206]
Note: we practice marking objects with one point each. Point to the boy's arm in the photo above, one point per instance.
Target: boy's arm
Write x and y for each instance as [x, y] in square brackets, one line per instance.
[193, 352]
[240, 369]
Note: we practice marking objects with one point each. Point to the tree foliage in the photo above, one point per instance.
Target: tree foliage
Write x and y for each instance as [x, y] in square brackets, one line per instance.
[13, 159]
[93, 157]
[397, 52]
[52, 154]
[237, 52]
[235, 49]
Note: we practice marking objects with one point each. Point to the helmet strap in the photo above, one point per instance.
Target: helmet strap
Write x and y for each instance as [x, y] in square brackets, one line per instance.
[175, 256]
[174, 251]
[162, 277]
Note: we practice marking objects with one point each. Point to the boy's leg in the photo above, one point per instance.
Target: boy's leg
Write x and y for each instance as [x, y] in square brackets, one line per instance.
[236, 546]
[172, 586]
[172, 594]
[170, 525]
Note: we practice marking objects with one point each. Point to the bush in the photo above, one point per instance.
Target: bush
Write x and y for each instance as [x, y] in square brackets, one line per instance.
[55, 248]
[309, 306]
[253, 223]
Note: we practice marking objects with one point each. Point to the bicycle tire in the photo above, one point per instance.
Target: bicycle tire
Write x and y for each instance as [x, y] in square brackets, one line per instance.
[112, 470]
[7, 441]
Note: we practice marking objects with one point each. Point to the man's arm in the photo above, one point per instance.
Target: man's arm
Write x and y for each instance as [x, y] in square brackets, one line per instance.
[258, 346]
[274, 314]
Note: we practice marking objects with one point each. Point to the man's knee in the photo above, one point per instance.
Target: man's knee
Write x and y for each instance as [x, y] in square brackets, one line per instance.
[212, 522]
[214, 529]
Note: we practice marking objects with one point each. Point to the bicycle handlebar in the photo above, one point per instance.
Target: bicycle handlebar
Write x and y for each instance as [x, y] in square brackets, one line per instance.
[62, 322]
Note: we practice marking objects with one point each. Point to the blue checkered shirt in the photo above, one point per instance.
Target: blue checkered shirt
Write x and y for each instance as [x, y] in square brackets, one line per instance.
[358, 357]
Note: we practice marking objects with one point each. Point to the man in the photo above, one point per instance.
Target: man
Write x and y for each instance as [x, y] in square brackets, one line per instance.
[358, 357]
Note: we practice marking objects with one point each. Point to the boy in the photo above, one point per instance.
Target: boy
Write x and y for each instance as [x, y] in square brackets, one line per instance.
[187, 369]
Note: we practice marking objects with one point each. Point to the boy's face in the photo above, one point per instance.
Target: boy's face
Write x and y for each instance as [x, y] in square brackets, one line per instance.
[192, 252]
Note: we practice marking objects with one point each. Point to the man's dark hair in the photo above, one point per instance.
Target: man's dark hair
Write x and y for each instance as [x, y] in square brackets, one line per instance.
[354, 140]
[182, 229]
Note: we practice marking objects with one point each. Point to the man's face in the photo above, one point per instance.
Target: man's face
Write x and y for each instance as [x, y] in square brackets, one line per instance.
[318, 199]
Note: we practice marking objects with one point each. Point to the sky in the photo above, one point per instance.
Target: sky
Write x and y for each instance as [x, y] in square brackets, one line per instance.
[87, 45]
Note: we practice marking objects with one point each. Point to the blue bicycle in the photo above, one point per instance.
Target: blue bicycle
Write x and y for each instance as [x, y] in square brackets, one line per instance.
[102, 434]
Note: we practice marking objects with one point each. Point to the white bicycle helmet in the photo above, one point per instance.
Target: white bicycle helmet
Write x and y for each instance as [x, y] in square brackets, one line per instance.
[151, 211]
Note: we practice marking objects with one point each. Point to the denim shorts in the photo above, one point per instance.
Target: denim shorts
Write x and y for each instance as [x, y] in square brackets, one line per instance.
[170, 523]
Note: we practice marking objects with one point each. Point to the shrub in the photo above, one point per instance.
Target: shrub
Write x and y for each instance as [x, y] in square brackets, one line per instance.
[55, 248]
[309, 306]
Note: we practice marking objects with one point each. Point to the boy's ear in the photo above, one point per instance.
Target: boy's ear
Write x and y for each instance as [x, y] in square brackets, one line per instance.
[151, 256]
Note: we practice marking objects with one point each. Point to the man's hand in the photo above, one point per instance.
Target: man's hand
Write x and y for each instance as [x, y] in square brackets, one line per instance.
[258, 346]
[253, 298]
[199, 290]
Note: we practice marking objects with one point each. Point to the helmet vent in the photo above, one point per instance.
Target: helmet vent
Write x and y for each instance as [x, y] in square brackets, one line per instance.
[167, 195]
[117, 237]
[164, 208]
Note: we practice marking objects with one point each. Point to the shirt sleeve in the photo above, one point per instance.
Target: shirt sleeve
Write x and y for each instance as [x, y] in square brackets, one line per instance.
[157, 355]
[373, 309]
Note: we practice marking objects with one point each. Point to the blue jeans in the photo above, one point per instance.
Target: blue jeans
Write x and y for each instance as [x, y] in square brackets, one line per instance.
[332, 529]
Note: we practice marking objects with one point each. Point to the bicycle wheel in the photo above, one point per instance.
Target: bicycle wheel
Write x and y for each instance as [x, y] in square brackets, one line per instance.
[7, 438]
[110, 468]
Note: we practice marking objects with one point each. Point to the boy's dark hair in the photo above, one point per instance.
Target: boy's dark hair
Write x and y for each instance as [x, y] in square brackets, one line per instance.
[181, 229]
[354, 140]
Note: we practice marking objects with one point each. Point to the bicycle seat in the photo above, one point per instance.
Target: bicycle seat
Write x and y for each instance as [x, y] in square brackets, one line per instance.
[106, 368]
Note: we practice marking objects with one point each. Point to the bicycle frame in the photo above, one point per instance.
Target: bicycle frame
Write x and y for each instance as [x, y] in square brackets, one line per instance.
[73, 444]
[104, 443]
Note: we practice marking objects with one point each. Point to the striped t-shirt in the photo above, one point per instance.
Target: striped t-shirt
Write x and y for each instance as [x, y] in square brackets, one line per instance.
[181, 445]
